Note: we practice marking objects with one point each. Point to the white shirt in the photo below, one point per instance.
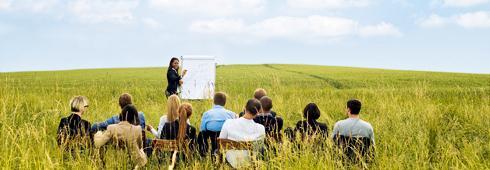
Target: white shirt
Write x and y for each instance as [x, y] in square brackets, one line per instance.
[241, 129]
[163, 120]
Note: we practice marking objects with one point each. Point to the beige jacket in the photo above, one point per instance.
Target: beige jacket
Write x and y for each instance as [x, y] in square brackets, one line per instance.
[127, 134]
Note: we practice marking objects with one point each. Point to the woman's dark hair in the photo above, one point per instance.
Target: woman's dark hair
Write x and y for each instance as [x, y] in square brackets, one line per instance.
[253, 106]
[311, 112]
[130, 114]
[171, 62]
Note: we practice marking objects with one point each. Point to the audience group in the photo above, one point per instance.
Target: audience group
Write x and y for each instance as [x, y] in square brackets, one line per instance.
[257, 123]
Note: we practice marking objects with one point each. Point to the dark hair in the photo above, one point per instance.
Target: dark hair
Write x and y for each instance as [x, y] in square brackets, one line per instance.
[130, 114]
[253, 106]
[220, 99]
[311, 112]
[259, 93]
[354, 106]
[266, 103]
[172, 61]
[125, 99]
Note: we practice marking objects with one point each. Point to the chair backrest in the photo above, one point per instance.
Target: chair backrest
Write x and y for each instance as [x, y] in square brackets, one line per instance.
[165, 145]
[354, 148]
[226, 144]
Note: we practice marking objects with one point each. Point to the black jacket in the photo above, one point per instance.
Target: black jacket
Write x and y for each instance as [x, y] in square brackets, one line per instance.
[310, 128]
[171, 129]
[173, 81]
[74, 130]
[272, 124]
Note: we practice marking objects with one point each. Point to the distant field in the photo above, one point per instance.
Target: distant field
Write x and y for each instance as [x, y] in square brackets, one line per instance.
[421, 120]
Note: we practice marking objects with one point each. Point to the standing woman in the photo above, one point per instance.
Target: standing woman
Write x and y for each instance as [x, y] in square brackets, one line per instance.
[174, 80]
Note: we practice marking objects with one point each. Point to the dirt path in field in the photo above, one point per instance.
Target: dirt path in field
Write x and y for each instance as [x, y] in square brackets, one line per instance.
[332, 82]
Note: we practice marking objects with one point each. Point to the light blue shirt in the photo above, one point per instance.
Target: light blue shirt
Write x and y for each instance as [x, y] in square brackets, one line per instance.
[354, 128]
[213, 119]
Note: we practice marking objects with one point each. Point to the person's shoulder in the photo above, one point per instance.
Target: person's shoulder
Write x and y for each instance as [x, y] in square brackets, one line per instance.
[300, 123]
[229, 111]
[85, 122]
[227, 123]
[112, 127]
[141, 114]
[137, 127]
[366, 124]
[340, 122]
[260, 127]
[63, 120]
[323, 126]
[192, 129]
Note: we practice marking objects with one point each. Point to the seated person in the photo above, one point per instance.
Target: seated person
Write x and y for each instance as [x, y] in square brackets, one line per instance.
[73, 131]
[127, 133]
[185, 134]
[258, 94]
[273, 125]
[212, 121]
[353, 127]
[173, 104]
[243, 129]
[310, 126]
[124, 100]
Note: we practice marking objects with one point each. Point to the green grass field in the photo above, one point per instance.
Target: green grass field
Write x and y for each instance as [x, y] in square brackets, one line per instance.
[422, 120]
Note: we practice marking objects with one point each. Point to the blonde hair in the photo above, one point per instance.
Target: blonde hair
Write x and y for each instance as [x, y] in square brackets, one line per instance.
[173, 104]
[185, 111]
[77, 103]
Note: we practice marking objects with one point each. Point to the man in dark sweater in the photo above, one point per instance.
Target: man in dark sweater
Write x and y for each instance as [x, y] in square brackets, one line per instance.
[272, 124]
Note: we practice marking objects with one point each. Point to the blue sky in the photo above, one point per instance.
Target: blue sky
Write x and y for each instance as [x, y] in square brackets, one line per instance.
[436, 35]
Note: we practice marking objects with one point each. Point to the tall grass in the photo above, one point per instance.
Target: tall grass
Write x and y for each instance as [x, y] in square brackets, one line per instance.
[422, 120]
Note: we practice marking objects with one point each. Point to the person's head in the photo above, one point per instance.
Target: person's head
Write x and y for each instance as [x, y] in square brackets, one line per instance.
[174, 63]
[125, 99]
[78, 104]
[311, 112]
[173, 103]
[185, 111]
[266, 103]
[353, 107]
[220, 99]
[129, 114]
[253, 107]
[259, 93]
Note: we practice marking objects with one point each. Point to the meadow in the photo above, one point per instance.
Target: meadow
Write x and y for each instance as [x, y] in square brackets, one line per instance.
[421, 120]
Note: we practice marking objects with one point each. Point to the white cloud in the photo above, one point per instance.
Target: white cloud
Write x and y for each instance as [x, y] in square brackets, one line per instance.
[151, 23]
[463, 3]
[470, 20]
[219, 26]
[474, 20]
[95, 11]
[312, 26]
[433, 21]
[210, 7]
[381, 29]
[285, 27]
[328, 4]
[5, 4]
[28, 5]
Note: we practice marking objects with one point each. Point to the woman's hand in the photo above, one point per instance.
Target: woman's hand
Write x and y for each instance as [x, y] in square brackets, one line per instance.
[184, 73]
[149, 127]
[181, 82]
